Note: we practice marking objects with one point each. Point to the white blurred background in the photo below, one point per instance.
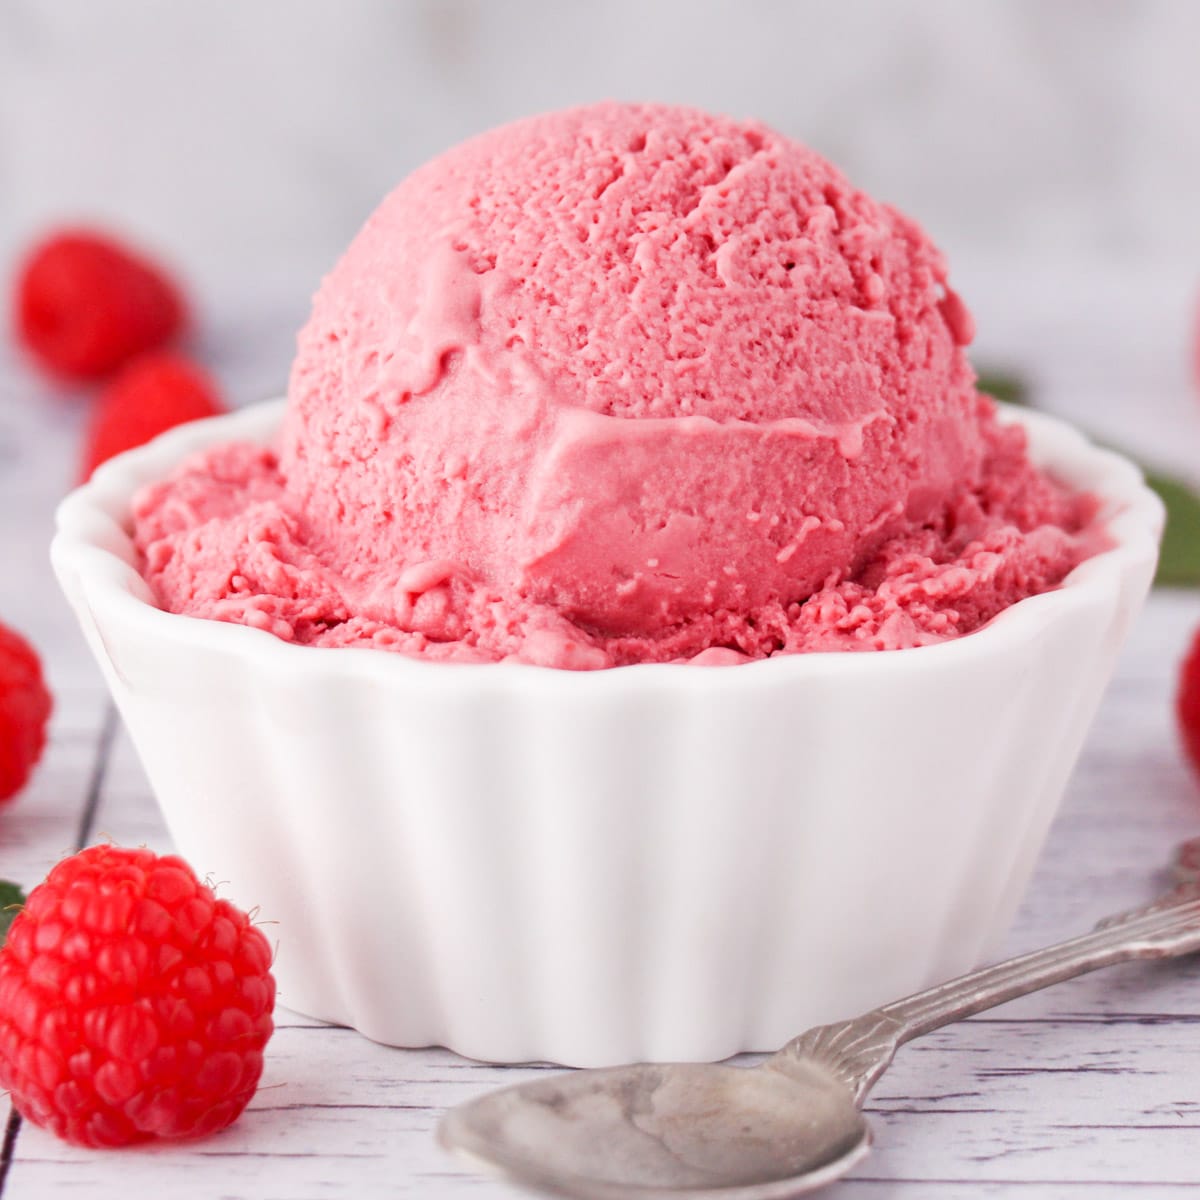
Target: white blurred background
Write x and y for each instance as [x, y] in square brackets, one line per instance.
[1052, 148]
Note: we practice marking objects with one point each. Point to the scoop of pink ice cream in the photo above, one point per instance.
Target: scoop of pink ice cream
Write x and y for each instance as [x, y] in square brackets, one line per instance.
[636, 363]
[624, 383]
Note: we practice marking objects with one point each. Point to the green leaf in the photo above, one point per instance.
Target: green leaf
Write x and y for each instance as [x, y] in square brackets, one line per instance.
[1179, 561]
[11, 899]
[1004, 386]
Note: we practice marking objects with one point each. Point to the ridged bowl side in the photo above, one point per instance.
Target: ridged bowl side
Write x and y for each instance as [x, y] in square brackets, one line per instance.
[654, 862]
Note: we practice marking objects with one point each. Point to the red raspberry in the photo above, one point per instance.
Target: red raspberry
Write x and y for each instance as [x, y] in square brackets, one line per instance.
[24, 709]
[1187, 701]
[86, 304]
[133, 1003]
[150, 396]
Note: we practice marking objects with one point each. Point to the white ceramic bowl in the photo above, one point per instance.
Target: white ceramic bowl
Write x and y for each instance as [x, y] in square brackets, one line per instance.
[647, 862]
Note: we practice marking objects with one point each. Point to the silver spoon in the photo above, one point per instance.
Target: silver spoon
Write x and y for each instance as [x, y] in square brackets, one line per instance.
[793, 1123]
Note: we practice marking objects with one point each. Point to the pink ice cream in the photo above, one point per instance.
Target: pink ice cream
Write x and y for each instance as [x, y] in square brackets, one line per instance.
[623, 384]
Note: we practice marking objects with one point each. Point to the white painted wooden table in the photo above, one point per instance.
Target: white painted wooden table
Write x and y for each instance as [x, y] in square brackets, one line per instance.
[1092, 1089]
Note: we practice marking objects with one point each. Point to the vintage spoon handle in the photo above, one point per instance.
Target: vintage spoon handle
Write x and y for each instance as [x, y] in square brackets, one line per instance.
[860, 1050]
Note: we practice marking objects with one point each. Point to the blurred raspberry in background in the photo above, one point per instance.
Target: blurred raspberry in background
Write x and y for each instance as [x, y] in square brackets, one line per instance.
[153, 394]
[86, 304]
[25, 706]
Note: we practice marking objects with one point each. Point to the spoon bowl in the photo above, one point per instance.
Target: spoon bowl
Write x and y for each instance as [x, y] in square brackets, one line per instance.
[687, 1128]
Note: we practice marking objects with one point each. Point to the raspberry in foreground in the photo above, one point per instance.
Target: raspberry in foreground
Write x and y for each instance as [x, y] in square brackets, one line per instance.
[152, 395]
[86, 304]
[25, 706]
[134, 1004]
[1187, 701]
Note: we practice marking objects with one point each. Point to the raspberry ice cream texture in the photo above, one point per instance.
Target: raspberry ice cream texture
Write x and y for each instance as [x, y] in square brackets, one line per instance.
[622, 384]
